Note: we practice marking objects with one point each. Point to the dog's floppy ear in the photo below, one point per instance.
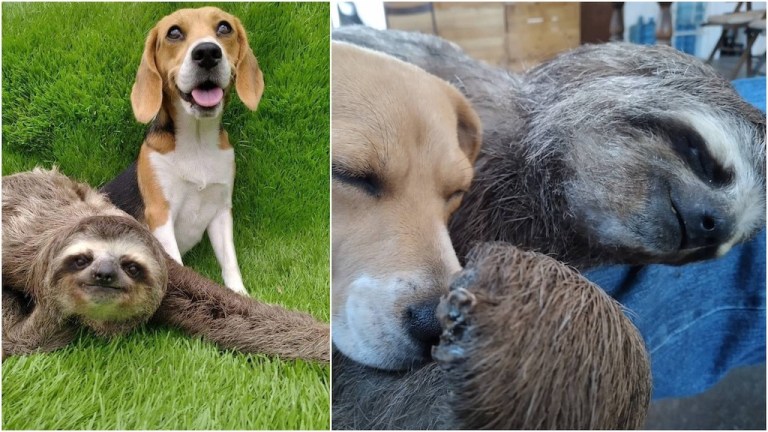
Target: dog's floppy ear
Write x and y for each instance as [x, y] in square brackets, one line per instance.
[147, 93]
[249, 82]
[470, 130]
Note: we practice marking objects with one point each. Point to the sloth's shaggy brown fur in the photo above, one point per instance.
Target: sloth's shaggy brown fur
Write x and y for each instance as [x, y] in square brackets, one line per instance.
[202, 307]
[46, 214]
[527, 344]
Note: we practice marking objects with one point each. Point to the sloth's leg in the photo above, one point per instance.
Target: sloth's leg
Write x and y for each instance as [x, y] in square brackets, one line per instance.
[26, 331]
[202, 307]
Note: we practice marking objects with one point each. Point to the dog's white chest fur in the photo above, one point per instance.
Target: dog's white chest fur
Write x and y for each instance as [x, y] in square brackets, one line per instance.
[197, 180]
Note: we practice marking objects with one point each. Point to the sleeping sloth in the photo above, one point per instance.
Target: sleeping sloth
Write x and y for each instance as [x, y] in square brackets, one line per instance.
[609, 154]
[71, 259]
[566, 167]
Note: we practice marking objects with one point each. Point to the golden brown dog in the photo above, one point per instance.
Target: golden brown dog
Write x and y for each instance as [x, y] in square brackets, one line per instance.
[403, 147]
[182, 183]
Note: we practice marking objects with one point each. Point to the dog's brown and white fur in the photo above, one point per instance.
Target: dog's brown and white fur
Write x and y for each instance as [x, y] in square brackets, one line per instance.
[186, 167]
[399, 172]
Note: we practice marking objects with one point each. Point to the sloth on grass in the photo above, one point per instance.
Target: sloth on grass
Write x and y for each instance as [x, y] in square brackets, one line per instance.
[71, 259]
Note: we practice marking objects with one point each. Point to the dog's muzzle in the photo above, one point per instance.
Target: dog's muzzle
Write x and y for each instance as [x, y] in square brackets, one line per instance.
[204, 76]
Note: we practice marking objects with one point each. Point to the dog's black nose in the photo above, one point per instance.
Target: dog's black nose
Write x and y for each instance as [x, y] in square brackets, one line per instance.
[422, 323]
[207, 55]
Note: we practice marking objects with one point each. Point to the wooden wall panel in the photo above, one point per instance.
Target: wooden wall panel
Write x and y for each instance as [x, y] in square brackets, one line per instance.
[479, 28]
[539, 31]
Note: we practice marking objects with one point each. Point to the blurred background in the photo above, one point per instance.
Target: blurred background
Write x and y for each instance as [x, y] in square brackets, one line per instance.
[516, 36]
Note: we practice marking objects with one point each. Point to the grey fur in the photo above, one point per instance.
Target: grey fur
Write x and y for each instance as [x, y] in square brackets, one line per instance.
[576, 160]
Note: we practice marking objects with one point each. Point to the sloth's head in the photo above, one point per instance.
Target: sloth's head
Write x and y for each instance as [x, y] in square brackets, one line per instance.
[108, 272]
[664, 161]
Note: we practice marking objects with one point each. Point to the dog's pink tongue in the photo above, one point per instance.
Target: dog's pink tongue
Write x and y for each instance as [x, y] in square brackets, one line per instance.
[207, 98]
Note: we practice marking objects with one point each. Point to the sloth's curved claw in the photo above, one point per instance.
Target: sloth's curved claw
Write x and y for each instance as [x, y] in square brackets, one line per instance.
[454, 314]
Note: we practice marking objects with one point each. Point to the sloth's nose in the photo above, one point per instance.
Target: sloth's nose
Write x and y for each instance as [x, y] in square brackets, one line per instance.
[422, 323]
[104, 272]
[703, 225]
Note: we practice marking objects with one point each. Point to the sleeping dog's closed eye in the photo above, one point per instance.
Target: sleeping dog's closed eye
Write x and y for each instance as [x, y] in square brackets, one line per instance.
[366, 182]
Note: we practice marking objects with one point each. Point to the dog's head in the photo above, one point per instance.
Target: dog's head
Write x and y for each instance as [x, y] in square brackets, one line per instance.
[192, 56]
[404, 143]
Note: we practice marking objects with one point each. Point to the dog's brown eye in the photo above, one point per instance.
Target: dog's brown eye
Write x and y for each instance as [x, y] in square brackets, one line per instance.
[368, 183]
[224, 28]
[132, 269]
[175, 33]
[456, 195]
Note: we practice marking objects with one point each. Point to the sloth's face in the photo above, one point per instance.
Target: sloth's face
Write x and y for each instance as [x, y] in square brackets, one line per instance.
[665, 161]
[108, 281]
[677, 187]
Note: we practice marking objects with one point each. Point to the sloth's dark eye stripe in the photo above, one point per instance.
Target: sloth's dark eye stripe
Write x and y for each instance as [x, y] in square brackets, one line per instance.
[690, 146]
[366, 182]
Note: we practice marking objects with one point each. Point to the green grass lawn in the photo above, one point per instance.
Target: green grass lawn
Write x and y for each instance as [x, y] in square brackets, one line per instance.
[67, 71]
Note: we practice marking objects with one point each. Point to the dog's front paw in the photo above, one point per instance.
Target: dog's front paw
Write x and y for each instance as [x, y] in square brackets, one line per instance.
[235, 283]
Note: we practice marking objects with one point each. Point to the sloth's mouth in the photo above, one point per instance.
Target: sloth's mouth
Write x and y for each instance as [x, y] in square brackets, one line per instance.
[103, 288]
[681, 223]
[206, 95]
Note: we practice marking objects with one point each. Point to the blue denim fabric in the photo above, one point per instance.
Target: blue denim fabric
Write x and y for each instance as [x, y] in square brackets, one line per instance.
[699, 320]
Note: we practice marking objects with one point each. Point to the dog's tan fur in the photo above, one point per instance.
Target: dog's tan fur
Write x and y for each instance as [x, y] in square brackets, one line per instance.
[399, 172]
[181, 186]
[161, 60]
[154, 93]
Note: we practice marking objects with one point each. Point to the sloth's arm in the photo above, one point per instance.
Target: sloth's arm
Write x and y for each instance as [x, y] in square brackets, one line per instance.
[201, 307]
[527, 343]
[26, 332]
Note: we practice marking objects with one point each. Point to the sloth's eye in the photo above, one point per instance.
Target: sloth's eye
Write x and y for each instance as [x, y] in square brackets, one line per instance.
[132, 269]
[694, 151]
[224, 28]
[81, 261]
[174, 33]
[367, 183]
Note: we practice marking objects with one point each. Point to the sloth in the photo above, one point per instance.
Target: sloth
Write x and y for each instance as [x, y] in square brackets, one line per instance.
[72, 260]
[570, 359]
[608, 154]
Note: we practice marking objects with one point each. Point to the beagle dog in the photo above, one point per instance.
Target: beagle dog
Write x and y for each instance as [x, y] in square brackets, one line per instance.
[181, 185]
[404, 145]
